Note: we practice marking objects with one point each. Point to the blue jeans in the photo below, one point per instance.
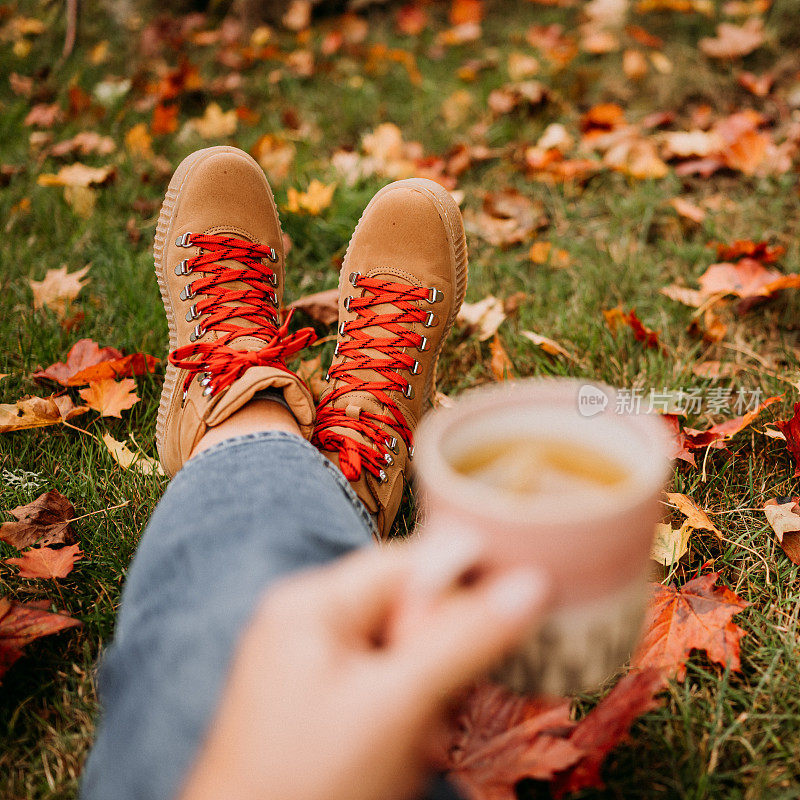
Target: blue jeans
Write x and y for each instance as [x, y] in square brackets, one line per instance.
[238, 516]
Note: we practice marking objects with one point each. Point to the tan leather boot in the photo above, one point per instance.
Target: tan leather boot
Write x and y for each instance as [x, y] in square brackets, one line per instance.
[219, 261]
[401, 286]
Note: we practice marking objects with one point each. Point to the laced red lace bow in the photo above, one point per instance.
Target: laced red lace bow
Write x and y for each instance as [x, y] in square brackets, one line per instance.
[257, 303]
[354, 456]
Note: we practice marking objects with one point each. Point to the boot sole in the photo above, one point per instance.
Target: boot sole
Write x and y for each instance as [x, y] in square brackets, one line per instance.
[450, 214]
[162, 237]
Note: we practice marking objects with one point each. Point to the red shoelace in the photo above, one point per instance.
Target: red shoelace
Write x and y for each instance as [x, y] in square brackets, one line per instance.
[257, 303]
[354, 456]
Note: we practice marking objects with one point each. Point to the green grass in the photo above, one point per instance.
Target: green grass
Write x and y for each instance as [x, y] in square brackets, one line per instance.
[719, 735]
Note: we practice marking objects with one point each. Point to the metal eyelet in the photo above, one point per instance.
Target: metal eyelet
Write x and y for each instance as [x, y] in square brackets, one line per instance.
[408, 391]
[411, 453]
[430, 320]
[328, 376]
[354, 276]
[392, 444]
[187, 292]
[383, 477]
[203, 378]
[336, 349]
[192, 314]
[341, 329]
[184, 240]
[415, 368]
[273, 279]
[272, 255]
[347, 303]
[435, 296]
[273, 298]
[388, 459]
[198, 333]
[423, 345]
[183, 268]
[208, 390]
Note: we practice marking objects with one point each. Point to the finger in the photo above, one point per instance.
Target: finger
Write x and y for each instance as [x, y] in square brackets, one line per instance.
[469, 632]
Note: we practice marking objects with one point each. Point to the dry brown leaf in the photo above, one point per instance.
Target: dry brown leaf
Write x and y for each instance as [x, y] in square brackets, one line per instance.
[85, 143]
[696, 518]
[550, 346]
[507, 218]
[47, 562]
[44, 521]
[110, 397]
[485, 316]
[58, 289]
[21, 623]
[784, 518]
[313, 201]
[696, 616]
[688, 210]
[37, 412]
[501, 365]
[77, 175]
[127, 459]
[322, 307]
[734, 41]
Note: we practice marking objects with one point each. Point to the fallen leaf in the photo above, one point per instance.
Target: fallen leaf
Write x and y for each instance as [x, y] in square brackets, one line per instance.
[297, 16]
[37, 412]
[790, 428]
[44, 521]
[127, 459]
[550, 346]
[688, 210]
[499, 738]
[58, 289]
[681, 448]
[616, 316]
[759, 85]
[84, 353]
[165, 119]
[44, 115]
[696, 518]
[716, 435]
[485, 316]
[85, 143]
[634, 64]
[745, 248]
[313, 201]
[606, 726]
[110, 397]
[696, 616]
[81, 199]
[215, 123]
[747, 279]
[669, 543]
[47, 562]
[507, 218]
[412, 19]
[323, 307]
[139, 142]
[500, 364]
[22, 623]
[77, 174]
[734, 41]
[275, 155]
[784, 518]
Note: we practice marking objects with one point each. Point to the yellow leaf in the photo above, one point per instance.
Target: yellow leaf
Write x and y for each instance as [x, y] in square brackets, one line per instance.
[139, 141]
[313, 201]
[77, 174]
[486, 316]
[127, 459]
[215, 122]
[670, 543]
[550, 346]
[275, 156]
[81, 199]
[58, 289]
[695, 516]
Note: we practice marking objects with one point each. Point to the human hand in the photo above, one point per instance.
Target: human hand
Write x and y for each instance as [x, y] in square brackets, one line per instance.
[334, 695]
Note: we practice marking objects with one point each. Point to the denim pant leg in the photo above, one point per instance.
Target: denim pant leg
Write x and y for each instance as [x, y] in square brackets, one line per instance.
[238, 516]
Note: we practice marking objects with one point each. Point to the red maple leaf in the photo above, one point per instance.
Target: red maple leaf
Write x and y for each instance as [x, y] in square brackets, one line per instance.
[790, 428]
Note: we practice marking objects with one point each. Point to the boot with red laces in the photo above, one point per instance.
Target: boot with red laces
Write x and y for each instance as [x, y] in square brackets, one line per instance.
[401, 286]
[219, 262]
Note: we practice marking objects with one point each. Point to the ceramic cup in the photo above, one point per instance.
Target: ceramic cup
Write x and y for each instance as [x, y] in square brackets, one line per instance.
[592, 544]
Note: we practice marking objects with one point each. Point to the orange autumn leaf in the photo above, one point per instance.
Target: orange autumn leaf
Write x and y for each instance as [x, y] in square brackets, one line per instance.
[110, 397]
[37, 412]
[715, 436]
[734, 41]
[165, 119]
[22, 623]
[44, 521]
[84, 353]
[696, 616]
[412, 19]
[313, 201]
[123, 367]
[616, 316]
[47, 562]
[747, 279]
[501, 365]
[790, 428]
[760, 251]
[463, 12]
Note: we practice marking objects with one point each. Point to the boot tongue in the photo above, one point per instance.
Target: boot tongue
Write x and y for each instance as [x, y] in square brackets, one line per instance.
[377, 332]
[242, 342]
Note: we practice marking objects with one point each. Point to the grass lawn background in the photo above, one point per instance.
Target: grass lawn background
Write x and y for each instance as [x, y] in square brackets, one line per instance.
[719, 735]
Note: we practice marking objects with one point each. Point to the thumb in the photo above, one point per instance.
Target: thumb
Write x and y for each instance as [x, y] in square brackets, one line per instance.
[470, 631]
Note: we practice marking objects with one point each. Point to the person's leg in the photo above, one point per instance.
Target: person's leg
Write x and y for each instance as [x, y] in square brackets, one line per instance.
[239, 515]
